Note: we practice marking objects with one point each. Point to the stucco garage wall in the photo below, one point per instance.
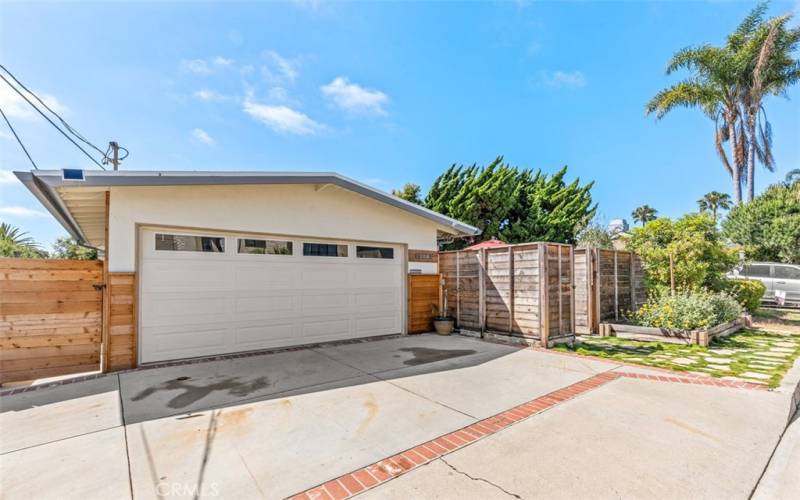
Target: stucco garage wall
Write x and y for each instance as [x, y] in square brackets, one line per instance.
[292, 210]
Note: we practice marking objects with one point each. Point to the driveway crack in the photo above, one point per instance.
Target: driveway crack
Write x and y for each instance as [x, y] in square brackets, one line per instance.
[514, 495]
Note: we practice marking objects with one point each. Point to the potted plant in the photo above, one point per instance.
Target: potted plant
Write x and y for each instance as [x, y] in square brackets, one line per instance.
[441, 322]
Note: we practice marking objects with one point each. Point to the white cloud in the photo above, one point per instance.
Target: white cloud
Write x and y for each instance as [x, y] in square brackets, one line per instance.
[6, 135]
[278, 94]
[282, 119]
[563, 79]
[205, 67]
[202, 136]
[15, 107]
[354, 98]
[281, 69]
[211, 96]
[8, 177]
[15, 211]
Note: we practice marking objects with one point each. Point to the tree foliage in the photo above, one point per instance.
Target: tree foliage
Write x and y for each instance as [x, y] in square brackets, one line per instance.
[768, 227]
[644, 214]
[410, 192]
[729, 83]
[714, 201]
[68, 248]
[15, 242]
[511, 204]
[695, 245]
[595, 236]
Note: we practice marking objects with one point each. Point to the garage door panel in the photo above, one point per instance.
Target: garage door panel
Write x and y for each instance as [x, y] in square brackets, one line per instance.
[263, 336]
[200, 304]
[266, 306]
[376, 276]
[266, 276]
[330, 328]
[163, 343]
[377, 325]
[378, 297]
[188, 275]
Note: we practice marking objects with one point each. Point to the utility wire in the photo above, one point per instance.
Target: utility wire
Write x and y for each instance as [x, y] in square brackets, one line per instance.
[18, 139]
[51, 122]
[63, 122]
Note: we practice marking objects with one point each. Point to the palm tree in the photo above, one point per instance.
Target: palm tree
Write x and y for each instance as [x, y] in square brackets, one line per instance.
[16, 243]
[644, 214]
[793, 176]
[712, 87]
[770, 69]
[714, 201]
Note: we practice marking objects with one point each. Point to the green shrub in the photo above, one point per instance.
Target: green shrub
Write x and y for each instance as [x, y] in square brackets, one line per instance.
[748, 293]
[687, 310]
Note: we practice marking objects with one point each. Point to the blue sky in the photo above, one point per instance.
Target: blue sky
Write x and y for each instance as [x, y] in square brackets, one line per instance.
[386, 93]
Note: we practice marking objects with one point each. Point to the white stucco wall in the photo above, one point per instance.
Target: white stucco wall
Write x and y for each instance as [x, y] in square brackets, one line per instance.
[291, 210]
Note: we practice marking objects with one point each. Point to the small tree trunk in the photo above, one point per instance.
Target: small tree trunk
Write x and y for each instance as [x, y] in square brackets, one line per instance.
[671, 275]
[751, 160]
[735, 165]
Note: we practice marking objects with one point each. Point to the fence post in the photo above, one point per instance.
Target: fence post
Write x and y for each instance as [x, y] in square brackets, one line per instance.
[510, 290]
[544, 296]
[633, 293]
[572, 287]
[482, 290]
[616, 288]
[458, 289]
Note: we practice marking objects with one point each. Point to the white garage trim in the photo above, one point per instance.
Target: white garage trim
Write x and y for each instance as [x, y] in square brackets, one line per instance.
[196, 304]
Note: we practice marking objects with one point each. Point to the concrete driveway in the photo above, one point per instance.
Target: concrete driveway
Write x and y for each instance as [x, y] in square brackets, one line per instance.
[270, 426]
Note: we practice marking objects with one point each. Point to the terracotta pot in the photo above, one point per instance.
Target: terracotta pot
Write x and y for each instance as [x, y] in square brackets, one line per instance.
[444, 326]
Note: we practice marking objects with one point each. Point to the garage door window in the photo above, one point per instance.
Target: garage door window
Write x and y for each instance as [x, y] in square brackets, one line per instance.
[188, 243]
[324, 250]
[374, 252]
[265, 247]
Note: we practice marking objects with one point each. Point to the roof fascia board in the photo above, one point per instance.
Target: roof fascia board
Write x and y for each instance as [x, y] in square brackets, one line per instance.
[53, 179]
[50, 199]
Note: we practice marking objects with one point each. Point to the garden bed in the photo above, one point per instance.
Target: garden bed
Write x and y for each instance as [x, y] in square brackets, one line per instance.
[702, 337]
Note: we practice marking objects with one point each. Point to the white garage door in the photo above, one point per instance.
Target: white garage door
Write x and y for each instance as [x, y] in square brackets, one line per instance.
[204, 293]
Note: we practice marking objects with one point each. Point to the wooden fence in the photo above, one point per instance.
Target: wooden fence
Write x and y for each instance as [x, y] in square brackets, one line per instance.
[50, 317]
[517, 290]
[423, 294]
[609, 283]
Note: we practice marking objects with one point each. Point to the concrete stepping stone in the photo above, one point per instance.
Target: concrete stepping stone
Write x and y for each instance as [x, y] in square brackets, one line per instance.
[782, 349]
[755, 375]
[785, 344]
[720, 368]
[723, 352]
[773, 354]
[683, 361]
[718, 361]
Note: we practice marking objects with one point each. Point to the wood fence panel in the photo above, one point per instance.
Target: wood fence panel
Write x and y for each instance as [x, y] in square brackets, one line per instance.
[423, 294]
[526, 297]
[469, 308]
[583, 290]
[122, 321]
[50, 317]
[498, 289]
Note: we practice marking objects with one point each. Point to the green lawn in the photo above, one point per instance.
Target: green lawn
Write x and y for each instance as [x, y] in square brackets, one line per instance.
[751, 355]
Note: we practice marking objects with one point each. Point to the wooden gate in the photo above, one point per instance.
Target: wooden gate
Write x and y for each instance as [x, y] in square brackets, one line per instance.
[609, 283]
[423, 294]
[50, 317]
[521, 290]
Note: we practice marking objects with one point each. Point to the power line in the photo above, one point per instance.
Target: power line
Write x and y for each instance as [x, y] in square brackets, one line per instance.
[51, 122]
[63, 122]
[18, 139]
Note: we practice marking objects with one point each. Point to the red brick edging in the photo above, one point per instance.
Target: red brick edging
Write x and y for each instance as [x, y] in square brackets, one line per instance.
[368, 477]
[694, 380]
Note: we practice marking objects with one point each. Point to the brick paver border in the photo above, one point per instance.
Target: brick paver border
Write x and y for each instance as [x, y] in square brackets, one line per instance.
[368, 477]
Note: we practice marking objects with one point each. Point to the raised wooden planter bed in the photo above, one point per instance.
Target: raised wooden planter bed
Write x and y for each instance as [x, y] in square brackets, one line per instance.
[701, 337]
